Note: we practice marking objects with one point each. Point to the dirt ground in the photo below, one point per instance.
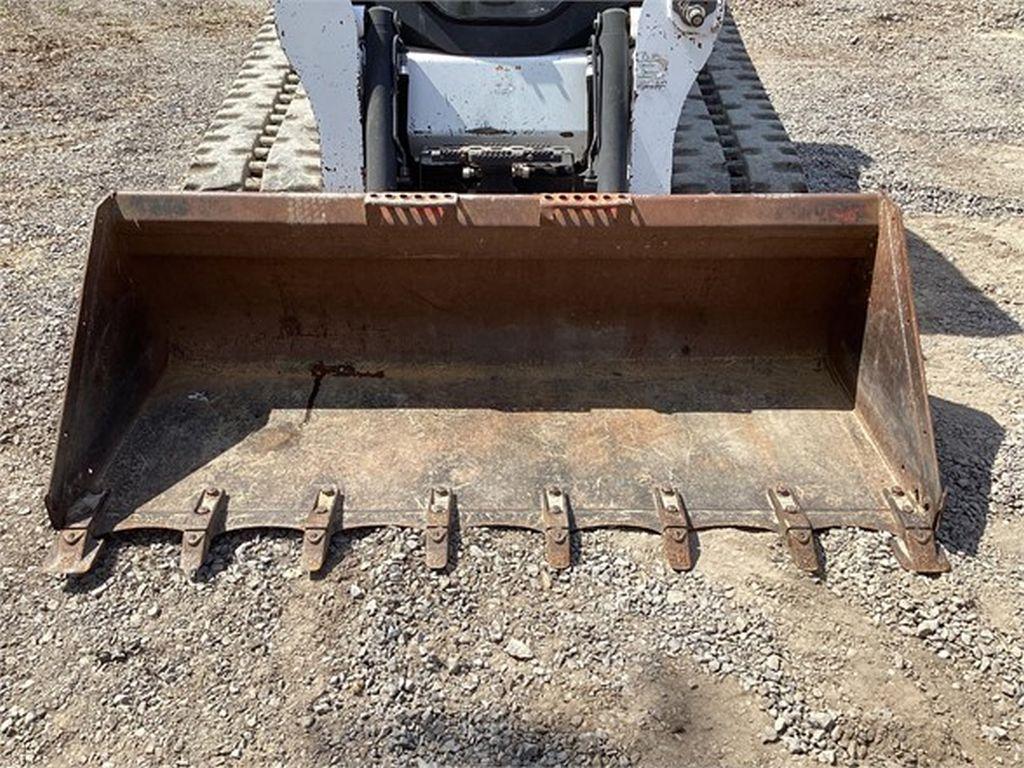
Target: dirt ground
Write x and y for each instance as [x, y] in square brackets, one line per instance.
[743, 662]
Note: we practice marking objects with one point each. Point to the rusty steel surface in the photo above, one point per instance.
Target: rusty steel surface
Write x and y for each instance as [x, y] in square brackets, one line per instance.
[556, 523]
[77, 546]
[438, 528]
[796, 530]
[387, 347]
[676, 529]
[205, 523]
[323, 521]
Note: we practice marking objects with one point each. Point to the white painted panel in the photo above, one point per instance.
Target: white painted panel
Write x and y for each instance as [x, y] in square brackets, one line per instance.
[530, 101]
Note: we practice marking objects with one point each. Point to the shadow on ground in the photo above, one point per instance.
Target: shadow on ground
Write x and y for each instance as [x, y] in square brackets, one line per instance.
[452, 736]
[947, 302]
[967, 441]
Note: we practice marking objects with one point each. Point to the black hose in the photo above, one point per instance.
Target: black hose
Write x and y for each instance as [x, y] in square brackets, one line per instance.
[613, 150]
[379, 84]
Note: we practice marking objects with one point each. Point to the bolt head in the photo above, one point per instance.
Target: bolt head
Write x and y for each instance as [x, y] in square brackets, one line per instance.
[437, 535]
[314, 537]
[922, 536]
[73, 537]
[692, 13]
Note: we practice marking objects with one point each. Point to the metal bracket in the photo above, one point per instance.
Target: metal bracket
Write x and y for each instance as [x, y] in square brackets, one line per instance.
[554, 516]
[439, 524]
[796, 529]
[675, 528]
[205, 523]
[915, 546]
[77, 547]
[410, 209]
[323, 520]
[585, 209]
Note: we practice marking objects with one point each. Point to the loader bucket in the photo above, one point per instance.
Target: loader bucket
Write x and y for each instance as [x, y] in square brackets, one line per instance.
[555, 363]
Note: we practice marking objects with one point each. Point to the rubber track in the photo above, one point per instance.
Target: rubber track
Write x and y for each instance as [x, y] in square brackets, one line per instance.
[272, 128]
[759, 155]
[230, 156]
[729, 137]
[698, 163]
[293, 162]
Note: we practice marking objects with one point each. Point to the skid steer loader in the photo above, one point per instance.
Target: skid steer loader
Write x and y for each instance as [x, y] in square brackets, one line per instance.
[519, 274]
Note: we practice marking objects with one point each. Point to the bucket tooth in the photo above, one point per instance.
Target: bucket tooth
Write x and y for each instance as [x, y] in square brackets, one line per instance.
[796, 529]
[555, 522]
[323, 520]
[915, 546]
[676, 529]
[206, 522]
[77, 546]
[438, 527]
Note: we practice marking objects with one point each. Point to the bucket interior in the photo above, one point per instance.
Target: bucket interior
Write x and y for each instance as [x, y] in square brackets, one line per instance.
[272, 357]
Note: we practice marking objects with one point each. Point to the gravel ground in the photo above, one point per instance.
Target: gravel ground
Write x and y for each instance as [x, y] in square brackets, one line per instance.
[618, 662]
